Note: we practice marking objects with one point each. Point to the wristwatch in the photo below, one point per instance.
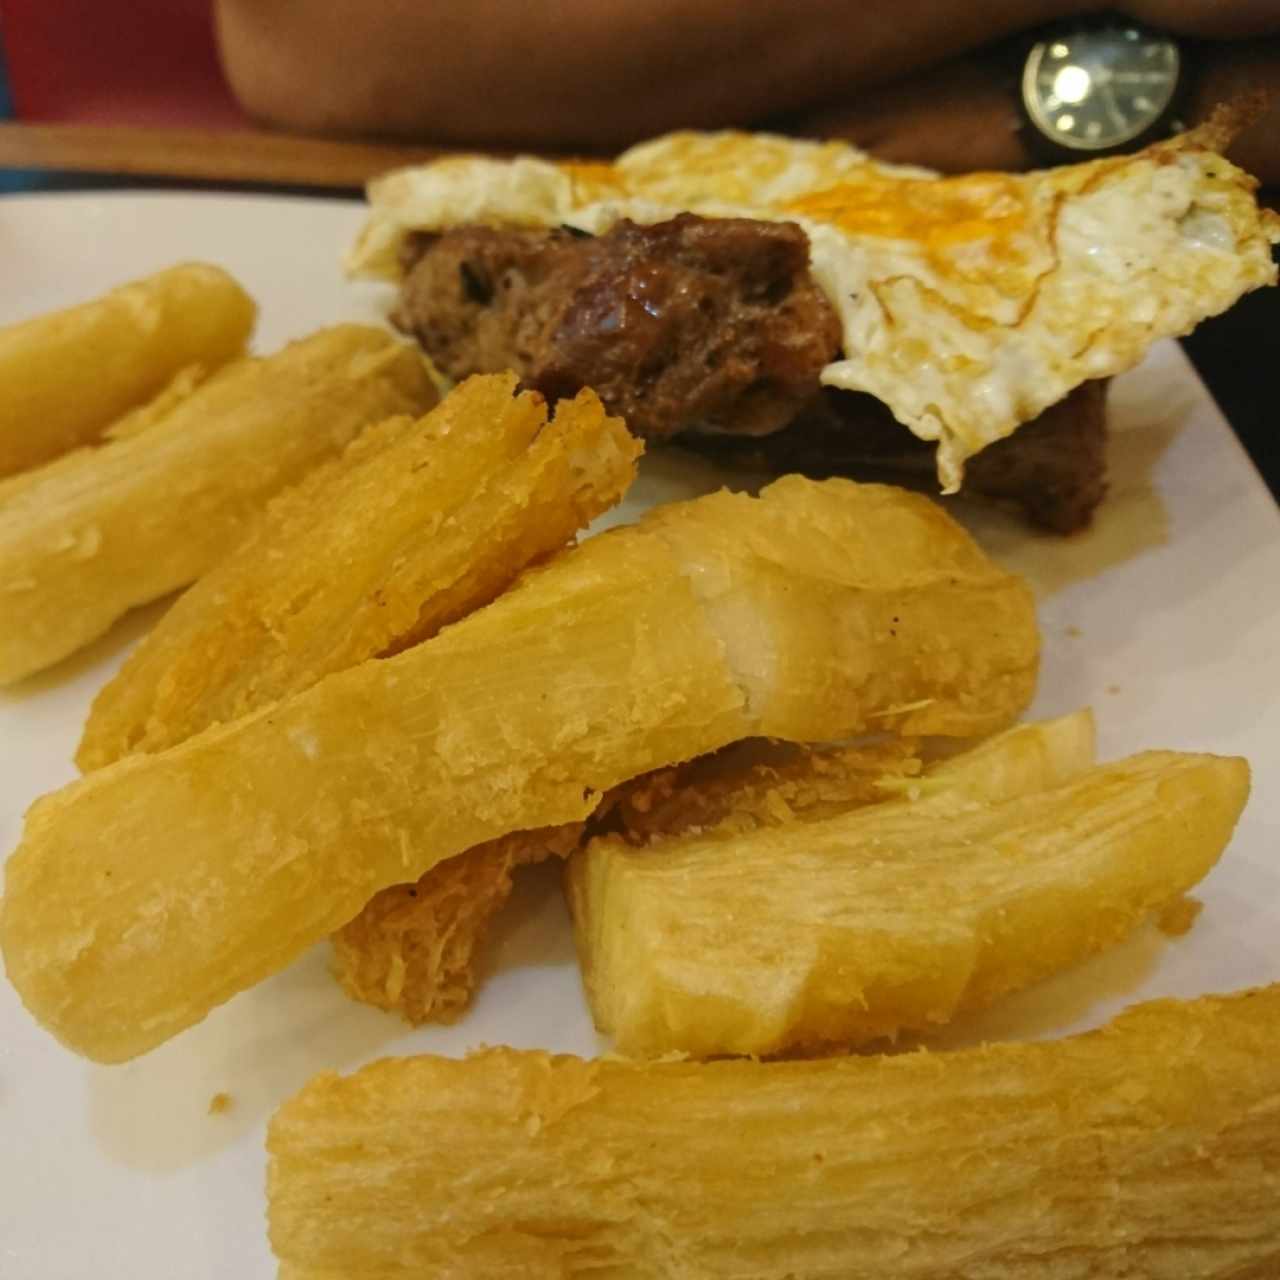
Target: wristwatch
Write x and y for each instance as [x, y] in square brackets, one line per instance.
[1101, 87]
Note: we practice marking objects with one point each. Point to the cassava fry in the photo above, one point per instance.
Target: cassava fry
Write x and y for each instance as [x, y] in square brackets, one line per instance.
[66, 376]
[1150, 1148]
[413, 948]
[414, 526]
[150, 891]
[757, 784]
[91, 535]
[897, 917]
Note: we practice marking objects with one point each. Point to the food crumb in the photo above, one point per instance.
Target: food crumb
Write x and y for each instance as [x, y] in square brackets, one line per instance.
[1113, 688]
[1176, 918]
[220, 1104]
[1074, 632]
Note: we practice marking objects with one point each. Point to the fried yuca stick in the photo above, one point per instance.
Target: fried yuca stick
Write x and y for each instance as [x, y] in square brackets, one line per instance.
[93, 534]
[757, 784]
[152, 890]
[414, 526]
[766, 784]
[66, 376]
[898, 917]
[413, 948]
[1149, 1148]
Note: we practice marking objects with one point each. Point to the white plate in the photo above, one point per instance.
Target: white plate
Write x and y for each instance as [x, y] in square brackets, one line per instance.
[1165, 617]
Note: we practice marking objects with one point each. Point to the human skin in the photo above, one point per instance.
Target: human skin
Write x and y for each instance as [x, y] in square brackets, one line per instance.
[902, 80]
[963, 116]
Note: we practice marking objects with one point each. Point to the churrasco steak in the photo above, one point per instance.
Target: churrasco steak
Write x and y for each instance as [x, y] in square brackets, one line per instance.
[712, 330]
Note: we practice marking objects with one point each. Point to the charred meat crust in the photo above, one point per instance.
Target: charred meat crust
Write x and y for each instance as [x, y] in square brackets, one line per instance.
[714, 321]
[717, 324]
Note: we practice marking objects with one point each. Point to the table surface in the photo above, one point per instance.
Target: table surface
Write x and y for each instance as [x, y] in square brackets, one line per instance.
[209, 155]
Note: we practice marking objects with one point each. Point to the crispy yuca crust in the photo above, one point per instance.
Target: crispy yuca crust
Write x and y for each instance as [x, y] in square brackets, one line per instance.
[66, 376]
[898, 917]
[414, 947]
[414, 526]
[150, 891]
[91, 535]
[1150, 1148]
[833, 610]
[757, 784]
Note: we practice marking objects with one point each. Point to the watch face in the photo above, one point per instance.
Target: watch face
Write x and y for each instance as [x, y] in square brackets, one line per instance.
[1096, 89]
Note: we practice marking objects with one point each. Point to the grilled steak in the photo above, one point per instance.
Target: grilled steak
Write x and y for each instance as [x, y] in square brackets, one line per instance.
[695, 320]
[708, 324]
[1053, 466]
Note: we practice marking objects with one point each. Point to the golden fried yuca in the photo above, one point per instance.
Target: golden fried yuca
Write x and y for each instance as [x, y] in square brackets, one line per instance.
[833, 599]
[415, 525]
[414, 947]
[1149, 1148]
[1029, 757]
[66, 376]
[760, 783]
[89, 536]
[895, 918]
[754, 785]
[152, 890]
[967, 304]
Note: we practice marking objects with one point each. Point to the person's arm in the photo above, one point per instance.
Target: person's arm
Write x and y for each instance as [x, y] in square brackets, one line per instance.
[962, 116]
[582, 73]
[1231, 71]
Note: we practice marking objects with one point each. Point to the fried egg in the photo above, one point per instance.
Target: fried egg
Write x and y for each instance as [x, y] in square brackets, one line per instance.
[968, 304]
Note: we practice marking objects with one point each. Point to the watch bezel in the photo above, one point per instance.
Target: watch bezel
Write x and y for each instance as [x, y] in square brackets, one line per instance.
[1052, 146]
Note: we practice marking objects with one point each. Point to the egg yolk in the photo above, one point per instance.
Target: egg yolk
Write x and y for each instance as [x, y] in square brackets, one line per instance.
[934, 212]
[593, 180]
